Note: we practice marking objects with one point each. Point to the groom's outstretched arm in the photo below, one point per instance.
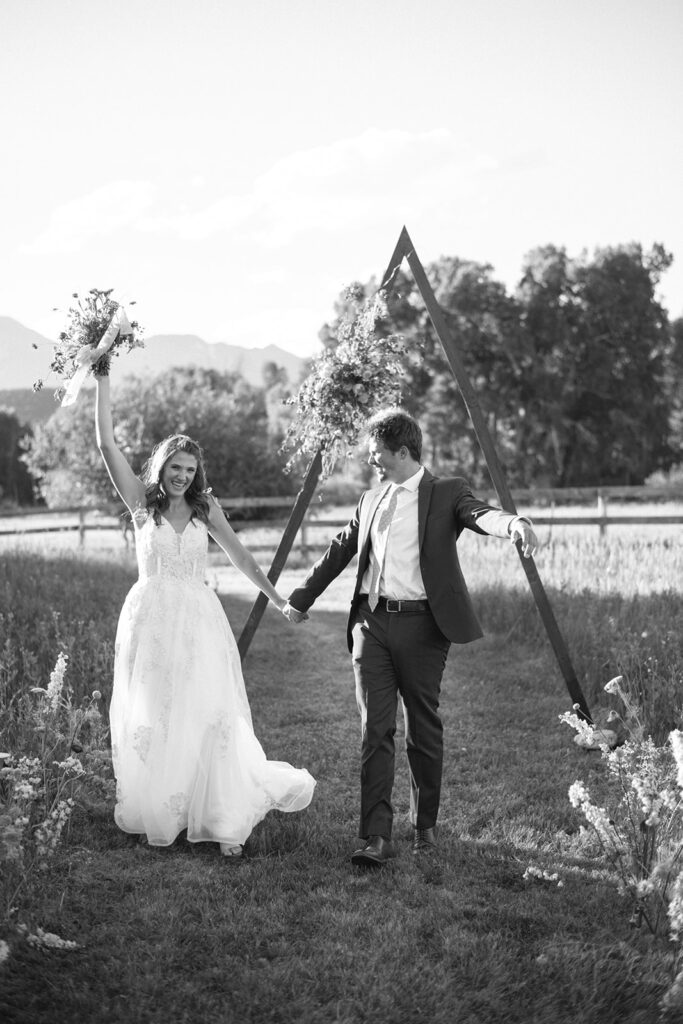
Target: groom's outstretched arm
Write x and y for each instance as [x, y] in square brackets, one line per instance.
[327, 568]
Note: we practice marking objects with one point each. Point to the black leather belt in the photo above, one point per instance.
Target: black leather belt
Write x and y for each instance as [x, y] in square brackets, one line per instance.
[390, 605]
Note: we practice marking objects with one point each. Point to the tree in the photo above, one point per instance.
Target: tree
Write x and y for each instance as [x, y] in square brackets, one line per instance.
[674, 387]
[596, 388]
[16, 485]
[63, 458]
[276, 393]
[222, 412]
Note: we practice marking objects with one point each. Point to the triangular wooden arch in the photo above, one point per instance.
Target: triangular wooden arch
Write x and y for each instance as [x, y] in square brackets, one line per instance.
[406, 250]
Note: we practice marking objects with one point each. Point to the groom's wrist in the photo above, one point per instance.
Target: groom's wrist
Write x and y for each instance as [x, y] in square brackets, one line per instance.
[515, 521]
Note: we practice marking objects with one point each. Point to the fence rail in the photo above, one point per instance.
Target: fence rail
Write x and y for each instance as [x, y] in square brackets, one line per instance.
[77, 518]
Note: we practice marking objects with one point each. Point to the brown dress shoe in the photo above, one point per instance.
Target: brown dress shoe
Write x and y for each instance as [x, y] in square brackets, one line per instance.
[375, 852]
[424, 840]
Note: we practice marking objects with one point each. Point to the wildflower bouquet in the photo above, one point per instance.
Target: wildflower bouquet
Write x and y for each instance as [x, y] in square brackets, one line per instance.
[346, 385]
[97, 328]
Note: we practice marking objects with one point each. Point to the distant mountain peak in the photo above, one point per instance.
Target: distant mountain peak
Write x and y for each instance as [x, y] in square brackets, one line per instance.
[25, 356]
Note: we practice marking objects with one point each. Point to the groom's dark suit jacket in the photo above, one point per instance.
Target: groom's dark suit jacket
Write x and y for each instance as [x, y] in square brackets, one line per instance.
[445, 508]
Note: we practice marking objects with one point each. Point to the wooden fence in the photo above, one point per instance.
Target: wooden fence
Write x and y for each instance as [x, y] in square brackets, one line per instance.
[597, 513]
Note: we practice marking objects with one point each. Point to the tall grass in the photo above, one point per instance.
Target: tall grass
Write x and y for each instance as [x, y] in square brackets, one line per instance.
[618, 601]
[48, 604]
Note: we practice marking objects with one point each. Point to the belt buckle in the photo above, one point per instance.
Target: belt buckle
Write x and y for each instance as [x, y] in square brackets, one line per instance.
[391, 601]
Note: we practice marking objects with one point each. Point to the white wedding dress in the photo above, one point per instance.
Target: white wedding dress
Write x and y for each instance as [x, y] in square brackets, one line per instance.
[184, 751]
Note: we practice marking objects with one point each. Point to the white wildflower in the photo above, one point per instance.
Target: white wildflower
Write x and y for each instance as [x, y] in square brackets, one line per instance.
[25, 791]
[669, 799]
[54, 690]
[543, 876]
[645, 887]
[647, 800]
[595, 816]
[578, 794]
[676, 741]
[614, 685]
[48, 940]
[585, 731]
[72, 766]
[48, 833]
[675, 908]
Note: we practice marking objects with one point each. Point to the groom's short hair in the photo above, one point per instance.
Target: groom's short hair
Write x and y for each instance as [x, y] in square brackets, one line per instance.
[395, 428]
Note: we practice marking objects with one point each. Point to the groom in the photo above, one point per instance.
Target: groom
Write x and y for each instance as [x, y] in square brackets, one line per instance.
[410, 602]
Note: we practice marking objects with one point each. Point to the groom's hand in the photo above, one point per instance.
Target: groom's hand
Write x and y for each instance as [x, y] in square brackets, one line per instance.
[524, 532]
[293, 614]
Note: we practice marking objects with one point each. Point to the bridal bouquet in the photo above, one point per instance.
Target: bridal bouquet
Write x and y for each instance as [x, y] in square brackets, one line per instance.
[97, 328]
[346, 385]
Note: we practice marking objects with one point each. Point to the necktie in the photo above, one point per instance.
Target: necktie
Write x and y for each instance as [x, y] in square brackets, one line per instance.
[377, 557]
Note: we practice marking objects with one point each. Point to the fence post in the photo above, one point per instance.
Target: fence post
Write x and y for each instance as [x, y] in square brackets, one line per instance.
[81, 527]
[303, 546]
[602, 512]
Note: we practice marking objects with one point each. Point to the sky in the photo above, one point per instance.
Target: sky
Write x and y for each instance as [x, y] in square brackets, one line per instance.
[233, 165]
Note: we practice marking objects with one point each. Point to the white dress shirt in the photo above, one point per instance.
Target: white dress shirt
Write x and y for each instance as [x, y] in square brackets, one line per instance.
[401, 578]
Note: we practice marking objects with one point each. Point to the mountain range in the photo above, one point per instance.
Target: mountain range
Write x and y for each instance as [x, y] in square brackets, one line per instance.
[25, 357]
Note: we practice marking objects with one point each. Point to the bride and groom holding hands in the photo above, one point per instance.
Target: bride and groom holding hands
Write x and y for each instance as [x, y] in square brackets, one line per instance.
[184, 750]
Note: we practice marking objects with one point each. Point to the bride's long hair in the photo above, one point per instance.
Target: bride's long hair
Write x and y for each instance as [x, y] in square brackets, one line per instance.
[157, 500]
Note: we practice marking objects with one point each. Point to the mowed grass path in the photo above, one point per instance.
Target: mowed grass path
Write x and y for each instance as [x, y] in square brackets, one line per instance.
[295, 934]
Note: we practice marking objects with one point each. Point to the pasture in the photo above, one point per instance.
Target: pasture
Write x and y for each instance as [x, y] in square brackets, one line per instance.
[294, 934]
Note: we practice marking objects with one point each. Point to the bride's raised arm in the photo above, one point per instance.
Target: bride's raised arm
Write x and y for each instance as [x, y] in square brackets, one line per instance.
[130, 488]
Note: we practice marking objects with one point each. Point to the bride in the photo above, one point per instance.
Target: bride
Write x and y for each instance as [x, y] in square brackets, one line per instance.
[184, 750]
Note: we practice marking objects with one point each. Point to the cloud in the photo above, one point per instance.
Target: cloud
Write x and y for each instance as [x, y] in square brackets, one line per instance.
[349, 184]
[117, 205]
[373, 163]
[225, 214]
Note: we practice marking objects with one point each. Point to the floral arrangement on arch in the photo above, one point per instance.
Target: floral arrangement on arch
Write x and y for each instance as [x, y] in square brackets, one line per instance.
[97, 328]
[346, 386]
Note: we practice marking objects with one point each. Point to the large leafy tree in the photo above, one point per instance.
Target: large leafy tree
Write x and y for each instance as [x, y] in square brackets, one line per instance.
[596, 389]
[63, 458]
[224, 413]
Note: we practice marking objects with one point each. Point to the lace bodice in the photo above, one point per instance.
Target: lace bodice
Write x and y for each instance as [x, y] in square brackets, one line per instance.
[161, 551]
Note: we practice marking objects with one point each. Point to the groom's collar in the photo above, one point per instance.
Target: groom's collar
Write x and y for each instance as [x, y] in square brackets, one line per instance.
[413, 482]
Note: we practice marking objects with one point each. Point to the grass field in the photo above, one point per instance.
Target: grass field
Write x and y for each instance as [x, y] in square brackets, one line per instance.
[294, 934]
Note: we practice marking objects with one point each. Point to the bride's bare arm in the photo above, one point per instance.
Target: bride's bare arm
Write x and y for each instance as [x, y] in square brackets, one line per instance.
[223, 534]
[130, 488]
